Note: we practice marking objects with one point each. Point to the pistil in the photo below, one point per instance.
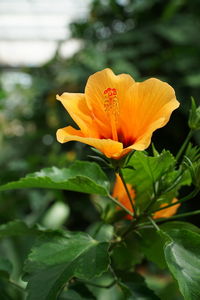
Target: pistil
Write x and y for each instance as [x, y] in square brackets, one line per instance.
[111, 106]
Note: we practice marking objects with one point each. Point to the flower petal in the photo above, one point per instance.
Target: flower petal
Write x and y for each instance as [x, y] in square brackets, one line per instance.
[120, 194]
[149, 105]
[144, 141]
[108, 147]
[95, 97]
[167, 212]
[76, 106]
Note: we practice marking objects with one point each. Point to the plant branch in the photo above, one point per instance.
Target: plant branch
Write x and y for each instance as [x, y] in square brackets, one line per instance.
[128, 193]
[121, 205]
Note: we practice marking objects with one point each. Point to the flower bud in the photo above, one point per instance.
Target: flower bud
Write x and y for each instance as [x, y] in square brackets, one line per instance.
[194, 116]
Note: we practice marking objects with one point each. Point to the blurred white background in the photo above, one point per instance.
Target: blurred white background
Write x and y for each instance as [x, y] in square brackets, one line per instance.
[30, 30]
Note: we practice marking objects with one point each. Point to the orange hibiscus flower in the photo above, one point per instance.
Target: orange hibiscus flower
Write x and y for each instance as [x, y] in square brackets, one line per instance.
[117, 114]
[120, 194]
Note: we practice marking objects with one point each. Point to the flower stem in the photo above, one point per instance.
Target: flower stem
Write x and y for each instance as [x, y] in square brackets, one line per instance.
[127, 191]
[186, 198]
[182, 149]
[121, 205]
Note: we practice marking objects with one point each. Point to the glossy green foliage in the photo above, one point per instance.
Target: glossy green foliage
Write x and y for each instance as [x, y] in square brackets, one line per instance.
[157, 175]
[16, 228]
[128, 254]
[134, 287]
[80, 177]
[5, 268]
[183, 259]
[55, 262]
[152, 246]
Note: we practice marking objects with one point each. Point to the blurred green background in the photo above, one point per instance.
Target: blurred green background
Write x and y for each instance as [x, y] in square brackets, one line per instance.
[145, 38]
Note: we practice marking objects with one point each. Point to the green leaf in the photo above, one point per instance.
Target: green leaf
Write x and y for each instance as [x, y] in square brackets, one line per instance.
[104, 287]
[152, 246]
[19, 228]
[148, 171]
[134, 287]
[152, 243]
[16, 228]
[127, 254]
[5, 268]
[166, 289]
[81, 176]
[58, 260]
[183, 259]
[105, 207]
[5, 295]
[193, 153]
[72, 294]
[158, 177]
[176, 225]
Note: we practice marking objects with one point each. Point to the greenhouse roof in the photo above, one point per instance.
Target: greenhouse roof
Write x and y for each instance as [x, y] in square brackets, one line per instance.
[31, 29]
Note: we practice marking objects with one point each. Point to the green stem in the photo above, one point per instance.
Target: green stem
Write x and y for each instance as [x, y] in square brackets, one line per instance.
[182, 149]
[152, 201]
[196, 212]
[154, 224]
[121, 205]
[143, 225]
[134, 225]
[176, 182]
[130, 229]
[184, 199]
[127, 191]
